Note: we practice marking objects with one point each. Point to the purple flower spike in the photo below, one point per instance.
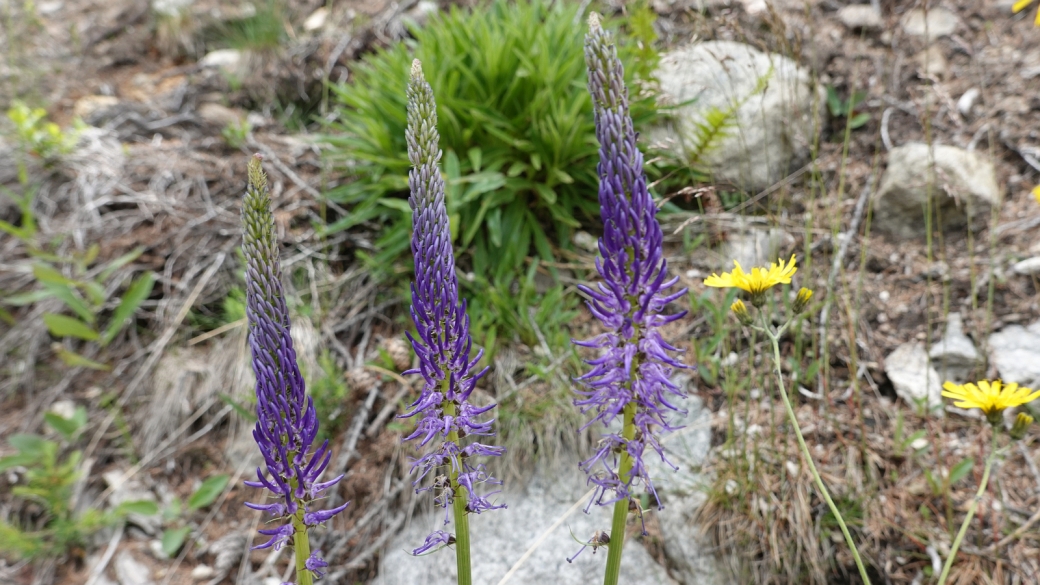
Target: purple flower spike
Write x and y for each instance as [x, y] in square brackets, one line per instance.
[442, 343]
[634, 365]
[286, 422]
[434, 541]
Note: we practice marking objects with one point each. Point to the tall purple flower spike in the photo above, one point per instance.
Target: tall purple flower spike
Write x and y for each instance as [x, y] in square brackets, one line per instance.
[286, 423]
[443, 343]
[634, 364]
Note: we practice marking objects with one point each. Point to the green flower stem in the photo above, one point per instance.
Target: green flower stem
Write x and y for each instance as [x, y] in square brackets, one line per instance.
[302, 547]
[460, 499]
[617, 525]
[971, 509]
[774, 338]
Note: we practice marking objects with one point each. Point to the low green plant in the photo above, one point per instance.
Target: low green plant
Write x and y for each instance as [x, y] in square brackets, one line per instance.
[38, 137]
[329, 389]
[236, 134]
[178, 530]
[516, 128]
[264, 29]
[848, 109]
[49, 481]
[84, 287]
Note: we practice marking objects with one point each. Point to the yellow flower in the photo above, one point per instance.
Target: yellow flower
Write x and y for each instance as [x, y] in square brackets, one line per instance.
[802, 300]
[1021, 5]
[1021, 427]
[741, 311]
[991, 397]
[757, 281]
[1036, 190]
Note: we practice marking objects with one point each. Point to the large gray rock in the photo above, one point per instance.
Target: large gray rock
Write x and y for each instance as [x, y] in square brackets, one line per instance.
[1015, 351]
[914, 378]
[756, 246]
[500, 538]
[771, 98]
[930, 25]
[954, 356]
[963, 186]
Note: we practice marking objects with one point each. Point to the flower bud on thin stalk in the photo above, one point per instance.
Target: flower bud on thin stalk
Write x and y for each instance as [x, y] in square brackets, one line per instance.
[286, 422]
[630, 379]
[442, 343]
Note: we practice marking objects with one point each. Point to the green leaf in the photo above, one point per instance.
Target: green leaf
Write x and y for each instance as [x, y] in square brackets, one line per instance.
[62, 326]
[23, 299]
[28, 444]
[119, 263]
[859, 120]
[7, 317]
[834, 102]
[68, 296]
[49, 275]
[76, 360]
[19, 460]
[208, 491]
[142, 507]
[962, 469]
[135, 295]
[173, 539]
[68, 427]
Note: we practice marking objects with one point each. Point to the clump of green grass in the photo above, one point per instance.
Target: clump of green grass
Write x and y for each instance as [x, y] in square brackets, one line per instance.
[516, 128]
[262, 31]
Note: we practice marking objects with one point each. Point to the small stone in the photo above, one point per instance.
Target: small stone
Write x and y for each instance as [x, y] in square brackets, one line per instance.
[967, 101]
[937, 22]
[130, 571]
[910, 180]
[954, 356]
[585, 241]
[1027, 267]
[932, 62]
[201, 572]
[227, 60]
[732, 486]
[170, 8]
[63, 408]
[316, 20]
[913, 377]
[860, 16]
[1015, 351]
[792, 468]
[86, 106]
[422, 12]
[218, 115]
[752, 246]
[919, 444]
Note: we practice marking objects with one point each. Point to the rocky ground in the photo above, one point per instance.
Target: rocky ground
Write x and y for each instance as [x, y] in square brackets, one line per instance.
[898, 312]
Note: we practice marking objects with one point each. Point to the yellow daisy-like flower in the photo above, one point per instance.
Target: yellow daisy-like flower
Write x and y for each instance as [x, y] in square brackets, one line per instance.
[990, 397]
[1022, 5]
[758, 280]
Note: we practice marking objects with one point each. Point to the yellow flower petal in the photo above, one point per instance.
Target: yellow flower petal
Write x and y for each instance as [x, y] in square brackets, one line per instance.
[758, 280]
[1020, 6]
[1036, 190]
[990, 397]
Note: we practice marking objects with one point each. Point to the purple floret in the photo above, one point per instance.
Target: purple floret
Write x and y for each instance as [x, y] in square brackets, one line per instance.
[634, 363]
[286, 422]
[442, 339]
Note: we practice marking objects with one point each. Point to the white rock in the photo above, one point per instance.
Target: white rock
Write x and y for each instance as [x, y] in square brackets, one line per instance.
[773, 99]
[1029, 266]
[170, 7]
[89, 104]
[227, 60]
[130, 571]
[316, 20]
[905, 188]
[421, 13]
[1015, 351]
[63, 408]
[913, 377]
[857, 16]
[967, 101]
[201, 572]
[938, 22]
[919, 444]
[585, 241]
[932, 61]
[218, 115]
[954, 356]
[756, 246]
[504, 535]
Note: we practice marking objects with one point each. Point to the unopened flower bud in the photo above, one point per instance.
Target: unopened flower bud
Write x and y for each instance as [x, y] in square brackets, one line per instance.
[802, 300]
[1022, 423]
[741, 311]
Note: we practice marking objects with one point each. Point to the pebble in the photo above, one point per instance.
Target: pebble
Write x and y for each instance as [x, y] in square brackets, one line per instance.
[1027, 267]
[201, 572]
[967, 101]
[937, 22]
[860, 16]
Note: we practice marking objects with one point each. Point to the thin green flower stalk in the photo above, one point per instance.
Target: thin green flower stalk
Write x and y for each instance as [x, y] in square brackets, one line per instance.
[992, 398]
[755, 284]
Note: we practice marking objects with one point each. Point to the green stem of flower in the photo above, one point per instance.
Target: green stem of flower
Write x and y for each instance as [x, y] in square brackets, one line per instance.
[302, 548]
[460, 499]
[617, 525]
[774, 338]
[971, 510]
